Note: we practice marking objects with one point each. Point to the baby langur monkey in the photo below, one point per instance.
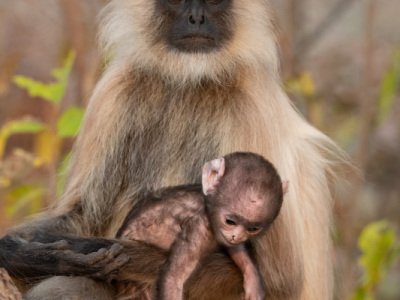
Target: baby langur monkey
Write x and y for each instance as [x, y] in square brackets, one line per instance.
[240, 196]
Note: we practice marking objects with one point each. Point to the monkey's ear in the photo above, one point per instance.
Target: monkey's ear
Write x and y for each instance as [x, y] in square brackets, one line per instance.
[285, 186]
[212, 174]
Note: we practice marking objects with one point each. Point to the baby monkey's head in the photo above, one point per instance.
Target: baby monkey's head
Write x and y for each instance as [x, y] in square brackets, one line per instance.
[244, 195]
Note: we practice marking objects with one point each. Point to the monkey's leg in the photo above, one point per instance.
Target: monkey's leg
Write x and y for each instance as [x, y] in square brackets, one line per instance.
[67, 288]
[8, 290]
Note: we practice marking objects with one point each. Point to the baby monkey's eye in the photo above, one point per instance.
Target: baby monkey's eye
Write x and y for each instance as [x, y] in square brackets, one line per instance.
[253, 229]
[230, 222]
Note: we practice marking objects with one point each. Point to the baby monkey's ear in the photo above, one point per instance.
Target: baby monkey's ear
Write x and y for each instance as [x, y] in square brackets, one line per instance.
[285, 186]
[212, 174]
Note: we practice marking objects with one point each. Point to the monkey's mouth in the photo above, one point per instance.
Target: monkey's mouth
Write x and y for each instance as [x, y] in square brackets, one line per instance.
[195, 43]
[197, 38]
[225, 241]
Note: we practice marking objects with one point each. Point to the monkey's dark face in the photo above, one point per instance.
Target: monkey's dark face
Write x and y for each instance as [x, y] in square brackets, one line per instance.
[195, 26]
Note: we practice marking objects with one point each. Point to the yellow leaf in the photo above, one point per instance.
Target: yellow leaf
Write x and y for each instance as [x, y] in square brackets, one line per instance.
[4, 135]
[38, 162]
[5, 182]
[47, 147]
[307, 84]
[303, 85]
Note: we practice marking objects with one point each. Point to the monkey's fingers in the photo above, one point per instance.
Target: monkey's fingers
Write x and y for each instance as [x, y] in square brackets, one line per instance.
[103, 264]
[115, 250]
[104, 256]
[111, 270]
[59, 245]
[72, 258]
[95, 257]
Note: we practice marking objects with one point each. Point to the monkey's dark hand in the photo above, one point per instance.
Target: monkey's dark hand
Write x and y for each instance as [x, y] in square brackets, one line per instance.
[97, 258]
[103, 264]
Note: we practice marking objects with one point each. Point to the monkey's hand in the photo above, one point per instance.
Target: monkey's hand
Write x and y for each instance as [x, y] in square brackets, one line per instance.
[254, 288]
[104, 263]
[53, 255]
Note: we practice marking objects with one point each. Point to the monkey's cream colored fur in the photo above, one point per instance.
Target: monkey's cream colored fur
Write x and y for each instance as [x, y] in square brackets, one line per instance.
[300, 246]
[129, 30]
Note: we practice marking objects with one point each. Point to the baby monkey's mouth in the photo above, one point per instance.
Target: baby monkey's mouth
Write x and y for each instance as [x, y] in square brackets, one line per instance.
[228, 242]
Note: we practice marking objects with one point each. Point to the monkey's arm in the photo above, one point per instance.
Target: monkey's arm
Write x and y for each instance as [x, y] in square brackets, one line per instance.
[253, 284]
[25, 260]
[48, 255]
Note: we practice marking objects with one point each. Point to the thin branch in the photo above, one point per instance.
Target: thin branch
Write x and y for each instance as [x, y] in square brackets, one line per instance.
[308, 41]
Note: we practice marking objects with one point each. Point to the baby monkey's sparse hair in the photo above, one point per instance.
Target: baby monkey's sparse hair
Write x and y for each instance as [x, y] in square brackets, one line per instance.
[244, 195]
[240, 196]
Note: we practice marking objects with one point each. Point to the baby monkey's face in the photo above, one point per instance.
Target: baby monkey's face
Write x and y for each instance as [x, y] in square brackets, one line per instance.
[235, 222]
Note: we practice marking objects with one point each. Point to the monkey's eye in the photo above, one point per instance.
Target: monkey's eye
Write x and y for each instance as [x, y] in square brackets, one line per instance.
[253, 229]
[230, 222]
[214, 2]
[175, 2]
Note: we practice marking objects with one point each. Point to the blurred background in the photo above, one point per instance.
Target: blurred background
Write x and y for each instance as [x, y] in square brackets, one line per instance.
[340, 65]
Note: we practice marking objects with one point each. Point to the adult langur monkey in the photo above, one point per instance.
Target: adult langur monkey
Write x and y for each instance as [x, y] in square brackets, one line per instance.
[187, 81]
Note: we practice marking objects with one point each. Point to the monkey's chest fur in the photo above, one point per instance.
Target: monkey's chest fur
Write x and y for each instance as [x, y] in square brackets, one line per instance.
[165, 133]
[167, 216]
[170, 131]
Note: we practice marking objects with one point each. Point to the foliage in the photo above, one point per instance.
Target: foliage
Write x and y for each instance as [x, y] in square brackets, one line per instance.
[389, 87]
[49, 137]
[15, 127]
[52, 92]
[69, 123]
[303, 84]
[379, 251]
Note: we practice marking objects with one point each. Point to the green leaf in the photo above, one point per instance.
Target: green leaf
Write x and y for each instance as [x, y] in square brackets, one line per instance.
[69, 123]
[24, 196]
[18, 126]
[62, 73]
[389, 88]
[52, 92]
[25, 126]
[378, 245]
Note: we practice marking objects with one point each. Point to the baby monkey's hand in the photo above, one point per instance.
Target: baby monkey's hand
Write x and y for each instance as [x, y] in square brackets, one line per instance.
[254, 287]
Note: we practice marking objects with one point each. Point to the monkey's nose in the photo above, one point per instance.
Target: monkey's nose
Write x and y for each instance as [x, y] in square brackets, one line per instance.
[196, 16]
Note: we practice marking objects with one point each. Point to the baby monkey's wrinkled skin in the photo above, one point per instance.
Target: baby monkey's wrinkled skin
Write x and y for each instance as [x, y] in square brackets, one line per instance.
[240, 196]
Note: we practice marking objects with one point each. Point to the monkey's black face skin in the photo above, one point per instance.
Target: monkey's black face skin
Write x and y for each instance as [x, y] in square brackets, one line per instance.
[195, 26]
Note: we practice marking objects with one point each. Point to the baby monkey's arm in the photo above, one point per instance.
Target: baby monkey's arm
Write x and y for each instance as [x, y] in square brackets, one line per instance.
[254, 287]
[194, 241]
